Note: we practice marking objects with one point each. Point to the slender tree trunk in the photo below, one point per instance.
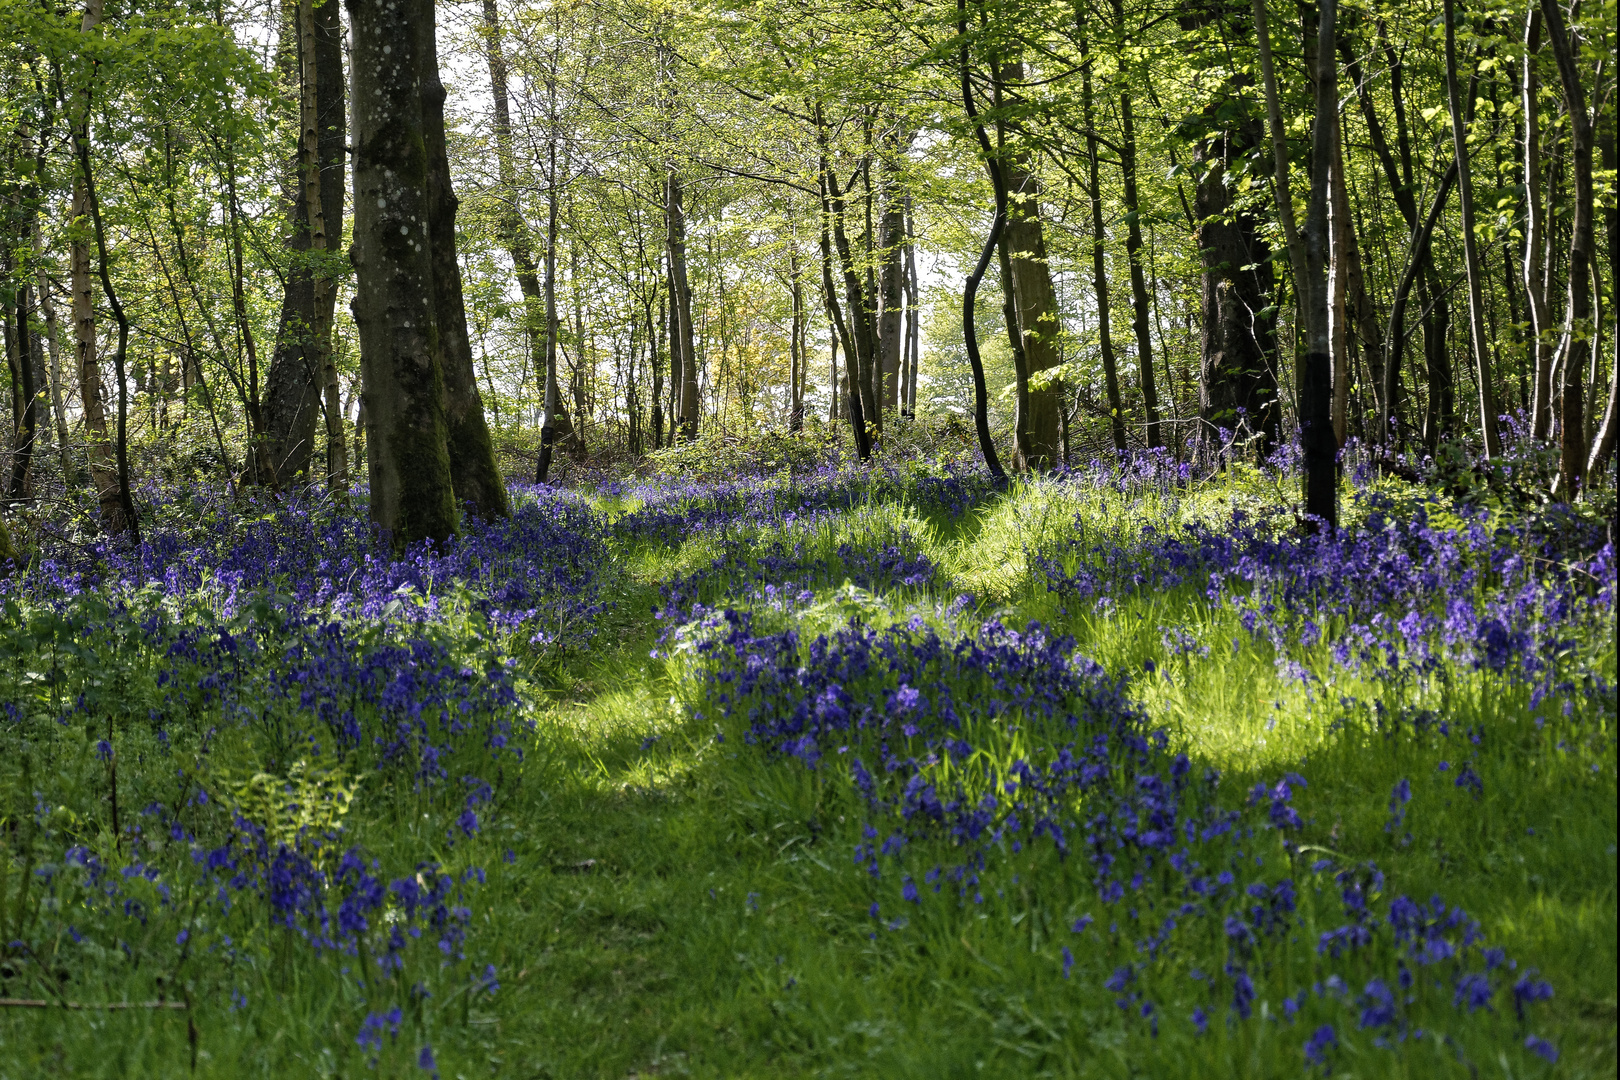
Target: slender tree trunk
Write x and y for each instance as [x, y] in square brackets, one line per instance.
[25, 372]
[1309, 251]
[294, 390]
[474, 474]
[70, 473]
[1582, 253]
[892, 241]
[970, 289]
[796, 345]
[654, 335]
[1015, 343]
[1034, 309]
[1133, 251]
[553, 398]
[1341, 233]
[913, 316]
[1465, 195]
[841, 335]
[1535, 224]
[1099, 269]
[127, 521]
[681, 306]
[1604, 439]
[861, 329]
[401, 362]
[92, 394]
[513, 228]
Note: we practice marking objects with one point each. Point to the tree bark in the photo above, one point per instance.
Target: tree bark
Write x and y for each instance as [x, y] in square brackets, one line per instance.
[1310, 252]
[686, 417]
[841, 334]
[474, 474]
[92, 394]
[1535, 225]
[1035, 310]
[1133, 252]
[1341, 238]
[552, 399]
[892, 240]
[796, 357]
[401, 364]
[513, 228]
[913, 316]
[294, 390]
[1099, 269]
[970, 289]
[1237, 386]
[1582, 252]
[1465, 196]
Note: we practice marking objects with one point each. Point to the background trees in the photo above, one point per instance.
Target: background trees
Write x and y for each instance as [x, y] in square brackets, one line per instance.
[675, 220]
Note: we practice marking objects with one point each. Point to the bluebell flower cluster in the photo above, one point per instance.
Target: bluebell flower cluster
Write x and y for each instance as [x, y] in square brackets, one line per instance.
[1000, 742]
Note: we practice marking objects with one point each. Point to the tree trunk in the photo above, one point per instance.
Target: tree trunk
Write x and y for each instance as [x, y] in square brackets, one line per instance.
[1015, 343]
[861, 327]
[92, 394]
[1604, 439]
[686, 416]
[1035, 308]
[841, 335]
[294, 387]
[970, 289]
[474, 474]
[401, 365]
[913, 316]
[1535, 225]
[513, 229]
[1238, 353]
[552, 400]
[1341, 238]
[1582, 252]
[892, 240]
[1309, 251]
[654, 335]
[1099, 270]
[796, 358]
[70, 474]
[1133, 251]
[1465, 196]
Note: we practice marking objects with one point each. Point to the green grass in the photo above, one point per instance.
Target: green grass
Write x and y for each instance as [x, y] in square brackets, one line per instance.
[687, 907]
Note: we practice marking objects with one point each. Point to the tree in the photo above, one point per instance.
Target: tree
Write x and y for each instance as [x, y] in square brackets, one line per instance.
[401, 351]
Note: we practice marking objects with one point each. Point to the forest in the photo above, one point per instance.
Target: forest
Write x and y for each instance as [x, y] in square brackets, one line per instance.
[563, 538]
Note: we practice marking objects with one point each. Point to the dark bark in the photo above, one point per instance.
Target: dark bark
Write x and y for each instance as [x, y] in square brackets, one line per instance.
[1140, 311]
[128, 521]
[892, 245]
[1582, 253]
[841, 335]
[686, 415]
[514, 230]
[1465, 196]
[970, 288]
[1033, 311]
[1320, 445]
[401, 365]
[1099, 269]
[1237, 373]
[294, 384]
[474, 474]
[1535, 224]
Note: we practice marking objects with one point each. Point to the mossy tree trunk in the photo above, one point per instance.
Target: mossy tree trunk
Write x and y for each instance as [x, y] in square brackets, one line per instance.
[473, 471]
[401, 358]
